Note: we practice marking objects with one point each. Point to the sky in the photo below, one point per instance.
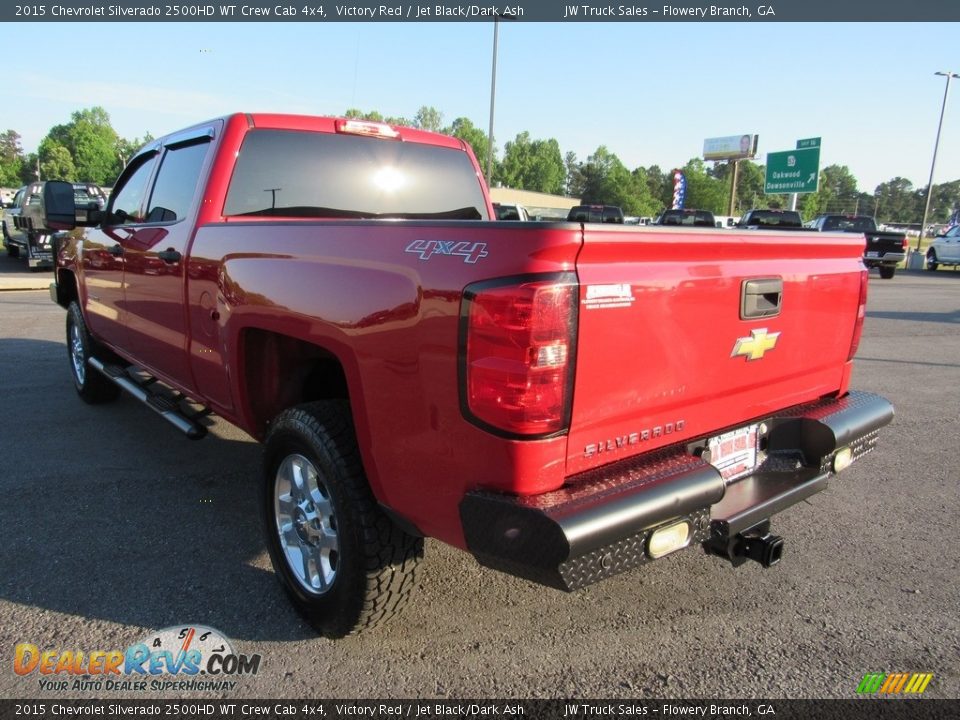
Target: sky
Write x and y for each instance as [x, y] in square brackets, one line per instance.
[649, 92]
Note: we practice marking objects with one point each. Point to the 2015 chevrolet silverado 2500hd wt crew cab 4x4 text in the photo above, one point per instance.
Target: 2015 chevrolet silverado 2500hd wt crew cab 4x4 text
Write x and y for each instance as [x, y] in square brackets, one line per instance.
[882, 250]
[563, 401]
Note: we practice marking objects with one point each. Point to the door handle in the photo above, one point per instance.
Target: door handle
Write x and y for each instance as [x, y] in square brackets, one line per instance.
[116, 250]
[170, 256]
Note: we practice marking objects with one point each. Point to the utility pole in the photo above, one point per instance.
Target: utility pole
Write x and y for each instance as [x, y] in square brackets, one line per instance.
[733, 187]
[936, 145]
[493, 96]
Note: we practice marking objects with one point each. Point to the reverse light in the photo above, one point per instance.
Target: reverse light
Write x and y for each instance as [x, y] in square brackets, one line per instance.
[861, 314]
[666, 540]
[843, 459]
[517, 348]
[366, 127]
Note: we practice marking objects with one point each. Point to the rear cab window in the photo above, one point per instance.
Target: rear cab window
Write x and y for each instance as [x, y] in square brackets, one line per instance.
[696, 218]
[775, 218]
[282, 173]
[849, 224]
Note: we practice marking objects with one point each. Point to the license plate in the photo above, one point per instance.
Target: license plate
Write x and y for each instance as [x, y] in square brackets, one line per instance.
[873, 254]
[734, 453]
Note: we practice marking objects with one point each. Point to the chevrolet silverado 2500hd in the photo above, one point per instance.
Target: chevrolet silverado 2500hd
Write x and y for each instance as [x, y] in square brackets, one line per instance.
[565, 401]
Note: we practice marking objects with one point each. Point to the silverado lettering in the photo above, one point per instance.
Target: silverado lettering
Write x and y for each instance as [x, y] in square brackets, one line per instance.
[402, 394]
[623, 441]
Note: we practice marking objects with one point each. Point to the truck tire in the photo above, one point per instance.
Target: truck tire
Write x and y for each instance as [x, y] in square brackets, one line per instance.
[932, 263]
[93, 387]
[345, 565]
[887, 271]
[13, 251]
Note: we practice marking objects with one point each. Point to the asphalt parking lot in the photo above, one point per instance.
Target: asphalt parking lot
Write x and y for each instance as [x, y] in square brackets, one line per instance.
[112, 525]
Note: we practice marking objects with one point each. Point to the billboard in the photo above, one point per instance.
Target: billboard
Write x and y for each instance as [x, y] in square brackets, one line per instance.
[732, 147]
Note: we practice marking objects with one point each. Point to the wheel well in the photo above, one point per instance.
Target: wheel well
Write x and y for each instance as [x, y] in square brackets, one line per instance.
[281, 372]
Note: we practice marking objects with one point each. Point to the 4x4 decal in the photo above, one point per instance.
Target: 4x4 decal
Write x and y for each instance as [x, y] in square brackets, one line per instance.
[469, 251]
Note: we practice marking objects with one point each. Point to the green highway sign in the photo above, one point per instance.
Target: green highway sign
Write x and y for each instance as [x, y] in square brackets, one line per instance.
[793, 171]
[808, 143]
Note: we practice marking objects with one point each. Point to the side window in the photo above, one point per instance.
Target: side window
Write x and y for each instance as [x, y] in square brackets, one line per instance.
[127, 200]
[176, 184]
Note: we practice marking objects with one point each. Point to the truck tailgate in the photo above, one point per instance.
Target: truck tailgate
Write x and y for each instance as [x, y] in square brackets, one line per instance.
[681, 335]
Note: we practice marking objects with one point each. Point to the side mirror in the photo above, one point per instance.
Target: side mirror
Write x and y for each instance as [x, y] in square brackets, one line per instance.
[59, 208]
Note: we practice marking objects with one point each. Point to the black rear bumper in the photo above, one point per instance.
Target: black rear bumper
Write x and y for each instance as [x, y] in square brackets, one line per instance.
[599, 524]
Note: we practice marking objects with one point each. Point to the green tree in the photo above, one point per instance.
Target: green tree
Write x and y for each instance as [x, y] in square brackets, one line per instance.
[574, 179]
[945, 199]
[127, 148]
[375, 116]
[750, 182]
[428, 118]
[92, 143]
[897, 201]
[56, 162]
[837, 193]
[356, 114]
[476, 138]
[11, 158]
[645, 202]
[704, 192]
[604, 179]
[659, 186]
[532, 165]
[28, 173]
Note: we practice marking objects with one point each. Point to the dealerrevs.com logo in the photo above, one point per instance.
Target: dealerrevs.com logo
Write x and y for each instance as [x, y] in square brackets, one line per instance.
[179, 658]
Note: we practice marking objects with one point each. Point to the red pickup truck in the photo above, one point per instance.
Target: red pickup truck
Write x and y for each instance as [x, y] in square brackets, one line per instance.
[565, 401]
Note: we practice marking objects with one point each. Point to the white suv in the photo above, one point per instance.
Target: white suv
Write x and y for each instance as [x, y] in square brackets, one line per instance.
[945, 249]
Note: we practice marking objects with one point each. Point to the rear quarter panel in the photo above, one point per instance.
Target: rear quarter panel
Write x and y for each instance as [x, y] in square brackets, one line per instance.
[369, 293]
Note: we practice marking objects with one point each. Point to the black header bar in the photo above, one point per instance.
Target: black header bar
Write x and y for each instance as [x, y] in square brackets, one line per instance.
[522, 11]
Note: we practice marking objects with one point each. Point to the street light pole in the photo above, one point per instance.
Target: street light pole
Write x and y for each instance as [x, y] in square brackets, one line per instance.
[493, 95]
[936, 145]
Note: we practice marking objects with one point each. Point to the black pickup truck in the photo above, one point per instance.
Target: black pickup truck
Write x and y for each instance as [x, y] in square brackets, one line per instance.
[883, 249]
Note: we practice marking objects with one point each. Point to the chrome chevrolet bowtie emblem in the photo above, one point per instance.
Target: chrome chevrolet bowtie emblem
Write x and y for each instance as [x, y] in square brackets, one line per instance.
[754, 346]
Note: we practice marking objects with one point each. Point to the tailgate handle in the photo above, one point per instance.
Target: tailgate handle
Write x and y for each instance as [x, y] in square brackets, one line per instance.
[760, 298]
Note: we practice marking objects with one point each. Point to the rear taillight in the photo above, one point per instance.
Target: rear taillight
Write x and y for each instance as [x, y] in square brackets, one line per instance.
[861, 314]
[906, 243]
[517, 351]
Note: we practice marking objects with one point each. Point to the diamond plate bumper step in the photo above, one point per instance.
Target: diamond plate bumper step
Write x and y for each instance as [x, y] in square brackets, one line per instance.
[600, 522]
